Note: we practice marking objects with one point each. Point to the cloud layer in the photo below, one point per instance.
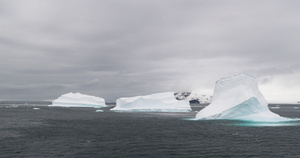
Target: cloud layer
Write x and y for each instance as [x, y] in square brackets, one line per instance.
[114, 48]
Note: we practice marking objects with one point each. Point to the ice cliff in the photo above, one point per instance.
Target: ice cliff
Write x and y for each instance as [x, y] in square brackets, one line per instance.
[238, 97]
[78, 100]
[158, 102]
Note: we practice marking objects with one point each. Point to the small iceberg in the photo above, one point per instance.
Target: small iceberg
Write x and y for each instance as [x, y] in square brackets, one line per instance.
[36, 108]
[78, 100]
[158, 102]
[238, 98]
[99, 110]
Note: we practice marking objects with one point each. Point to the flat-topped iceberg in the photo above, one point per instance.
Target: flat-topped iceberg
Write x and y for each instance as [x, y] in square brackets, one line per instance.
[78, 100]
[158, 102]
[238, 97]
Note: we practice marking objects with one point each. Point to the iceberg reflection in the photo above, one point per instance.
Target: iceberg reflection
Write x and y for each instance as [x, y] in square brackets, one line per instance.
[295, 122]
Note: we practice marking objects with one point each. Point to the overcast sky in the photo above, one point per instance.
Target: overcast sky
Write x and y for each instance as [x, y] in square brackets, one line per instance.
[118, 48]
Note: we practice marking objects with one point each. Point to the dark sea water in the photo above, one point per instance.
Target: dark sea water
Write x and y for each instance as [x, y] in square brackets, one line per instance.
[84, 133]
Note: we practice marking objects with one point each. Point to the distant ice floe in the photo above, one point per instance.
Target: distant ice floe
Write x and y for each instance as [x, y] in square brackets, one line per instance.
[275, 107]
[158, 102]
[99, 110]
[78, 100]
[238, 98]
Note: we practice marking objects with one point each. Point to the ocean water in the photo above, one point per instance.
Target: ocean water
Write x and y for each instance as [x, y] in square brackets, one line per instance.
[35, 130]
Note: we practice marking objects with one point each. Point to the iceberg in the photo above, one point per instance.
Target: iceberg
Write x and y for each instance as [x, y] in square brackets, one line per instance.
[238, 98]
[158, 102]
[78, 100]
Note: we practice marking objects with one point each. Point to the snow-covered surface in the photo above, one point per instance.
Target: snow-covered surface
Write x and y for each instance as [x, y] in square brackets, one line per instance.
[193, 96]
[78, 100]
[238, 97]
[158, 102]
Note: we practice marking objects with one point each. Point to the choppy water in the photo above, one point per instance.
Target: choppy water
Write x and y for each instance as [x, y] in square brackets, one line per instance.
[82, 132]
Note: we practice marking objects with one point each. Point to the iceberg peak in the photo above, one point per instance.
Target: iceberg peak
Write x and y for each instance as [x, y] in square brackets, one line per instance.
[235, 79]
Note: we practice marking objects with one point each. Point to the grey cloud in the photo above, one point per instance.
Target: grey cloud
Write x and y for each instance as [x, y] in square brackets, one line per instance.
[121, 48]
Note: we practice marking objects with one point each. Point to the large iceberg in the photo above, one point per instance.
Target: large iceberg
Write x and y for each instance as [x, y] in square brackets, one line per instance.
[238, 97]
[78, 100]
[158, 102]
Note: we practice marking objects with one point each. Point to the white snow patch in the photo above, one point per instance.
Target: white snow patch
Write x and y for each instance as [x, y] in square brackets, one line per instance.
[194, 95]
